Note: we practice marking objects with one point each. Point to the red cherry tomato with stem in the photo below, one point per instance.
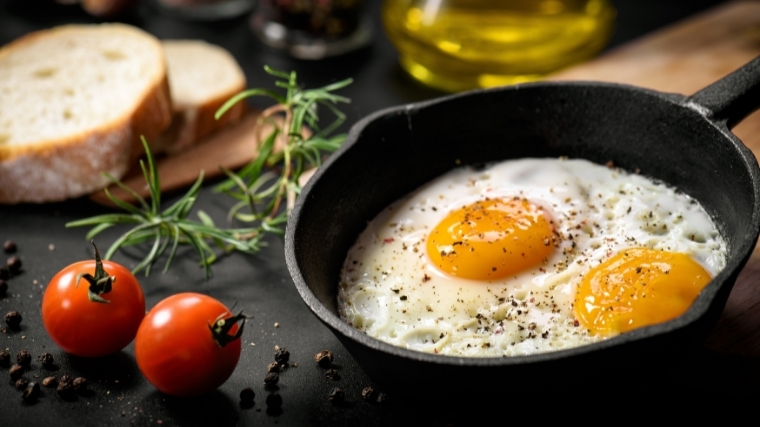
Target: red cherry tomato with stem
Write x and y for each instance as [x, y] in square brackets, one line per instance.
[93, 308]
[189, 344]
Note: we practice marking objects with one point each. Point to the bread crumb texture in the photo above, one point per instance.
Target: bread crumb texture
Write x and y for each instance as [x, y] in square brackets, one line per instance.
[200, 72]
[74, 101]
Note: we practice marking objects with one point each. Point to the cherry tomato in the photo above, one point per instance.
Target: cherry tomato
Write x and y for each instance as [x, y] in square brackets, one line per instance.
[188, 344]
[93, 308]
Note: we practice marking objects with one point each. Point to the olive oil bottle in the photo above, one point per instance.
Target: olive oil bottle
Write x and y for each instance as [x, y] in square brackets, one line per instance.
[456, 45]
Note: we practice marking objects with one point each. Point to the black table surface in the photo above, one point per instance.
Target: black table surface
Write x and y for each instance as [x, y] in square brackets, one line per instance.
[260, 284]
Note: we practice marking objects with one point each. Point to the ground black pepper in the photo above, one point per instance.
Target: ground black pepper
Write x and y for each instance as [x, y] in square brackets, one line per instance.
[50, 382]
[332, 374]
[274, 400]
[5, 274]
[368, 393]
[336, 395]
[21, 384]
[13, 319]
[16, 372]
[281, 356]
[32, 392]
[9, 247]
[46, 359]
[14, 264]
[5, 358]
[246, 397]
[324, 358]
[271, 379]
[3, 288]
[24, 358]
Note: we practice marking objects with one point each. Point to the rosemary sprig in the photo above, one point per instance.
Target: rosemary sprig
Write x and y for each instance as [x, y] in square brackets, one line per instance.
[286, 145]
[285, 148]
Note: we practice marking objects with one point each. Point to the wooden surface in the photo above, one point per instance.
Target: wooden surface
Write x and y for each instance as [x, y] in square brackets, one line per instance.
[683, 59]
[686, 57]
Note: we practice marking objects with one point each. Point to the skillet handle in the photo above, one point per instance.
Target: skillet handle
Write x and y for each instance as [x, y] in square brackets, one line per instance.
[731, 98]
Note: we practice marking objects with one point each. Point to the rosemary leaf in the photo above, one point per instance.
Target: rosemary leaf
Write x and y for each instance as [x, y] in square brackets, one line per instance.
[260, 193]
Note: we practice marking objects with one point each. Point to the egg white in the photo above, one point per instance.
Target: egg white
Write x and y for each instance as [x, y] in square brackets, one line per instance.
[390, 290]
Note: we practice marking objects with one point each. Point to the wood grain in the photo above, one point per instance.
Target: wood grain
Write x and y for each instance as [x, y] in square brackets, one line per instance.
[686, 57]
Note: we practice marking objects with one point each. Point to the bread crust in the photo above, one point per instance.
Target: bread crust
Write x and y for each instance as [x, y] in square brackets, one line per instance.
[72, 165]
[193, 124]
[193, 121]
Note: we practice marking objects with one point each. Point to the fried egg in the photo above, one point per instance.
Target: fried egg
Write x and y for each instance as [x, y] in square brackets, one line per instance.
[527, 256]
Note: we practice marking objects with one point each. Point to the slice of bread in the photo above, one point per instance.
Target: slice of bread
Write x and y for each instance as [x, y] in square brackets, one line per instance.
[202, 77]
[74, 101]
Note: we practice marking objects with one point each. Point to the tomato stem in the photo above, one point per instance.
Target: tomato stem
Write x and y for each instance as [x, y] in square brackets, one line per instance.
[101, 283]
[222, 326]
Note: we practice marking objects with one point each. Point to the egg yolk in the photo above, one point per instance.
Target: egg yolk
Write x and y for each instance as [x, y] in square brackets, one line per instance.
[638, 287]
[491, 239]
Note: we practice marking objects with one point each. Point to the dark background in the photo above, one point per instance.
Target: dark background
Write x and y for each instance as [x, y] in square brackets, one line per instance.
[260, 284]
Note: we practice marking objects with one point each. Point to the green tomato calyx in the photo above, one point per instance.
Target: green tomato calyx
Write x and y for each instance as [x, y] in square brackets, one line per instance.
[101, 283]
[220, 329]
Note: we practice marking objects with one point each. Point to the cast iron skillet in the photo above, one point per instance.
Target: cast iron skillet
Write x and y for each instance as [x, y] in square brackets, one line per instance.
[682, 141]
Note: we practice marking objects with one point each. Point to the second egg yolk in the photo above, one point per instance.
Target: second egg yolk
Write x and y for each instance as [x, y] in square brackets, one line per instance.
[491, 239]
[638, 287]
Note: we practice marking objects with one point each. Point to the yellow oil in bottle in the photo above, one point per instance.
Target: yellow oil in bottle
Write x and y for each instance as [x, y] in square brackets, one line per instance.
[456, 45]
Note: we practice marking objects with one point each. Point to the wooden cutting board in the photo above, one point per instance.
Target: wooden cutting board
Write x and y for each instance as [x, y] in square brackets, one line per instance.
[686, 57]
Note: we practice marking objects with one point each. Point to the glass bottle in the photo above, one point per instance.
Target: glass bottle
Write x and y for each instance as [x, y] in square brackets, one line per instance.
[457, 45]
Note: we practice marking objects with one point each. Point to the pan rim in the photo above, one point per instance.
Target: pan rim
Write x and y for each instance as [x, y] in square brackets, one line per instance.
[698, 309]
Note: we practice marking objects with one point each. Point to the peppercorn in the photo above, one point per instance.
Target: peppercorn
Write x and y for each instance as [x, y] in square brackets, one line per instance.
[324, 358]
[65, 386]
[368, 393]
[336, 395]
[3, 288]
[21, 384]
[274, 400]
[9, 247]
[273, 367]
[16, 372]
[46, 359]
[14, 264]
[80, 383]
[332, 374]
[271, 379]
[5, 274]
[13, 319]
[32, 392]
[23, 358]
[281, 356]
[246, 397]
[50, 382]
[5, 358]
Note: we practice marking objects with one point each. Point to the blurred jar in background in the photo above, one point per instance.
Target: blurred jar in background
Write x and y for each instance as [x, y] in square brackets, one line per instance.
[456, 45]
[311, 29]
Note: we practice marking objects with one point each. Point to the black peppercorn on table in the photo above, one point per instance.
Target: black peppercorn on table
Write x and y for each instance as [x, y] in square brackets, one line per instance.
[308, 388]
